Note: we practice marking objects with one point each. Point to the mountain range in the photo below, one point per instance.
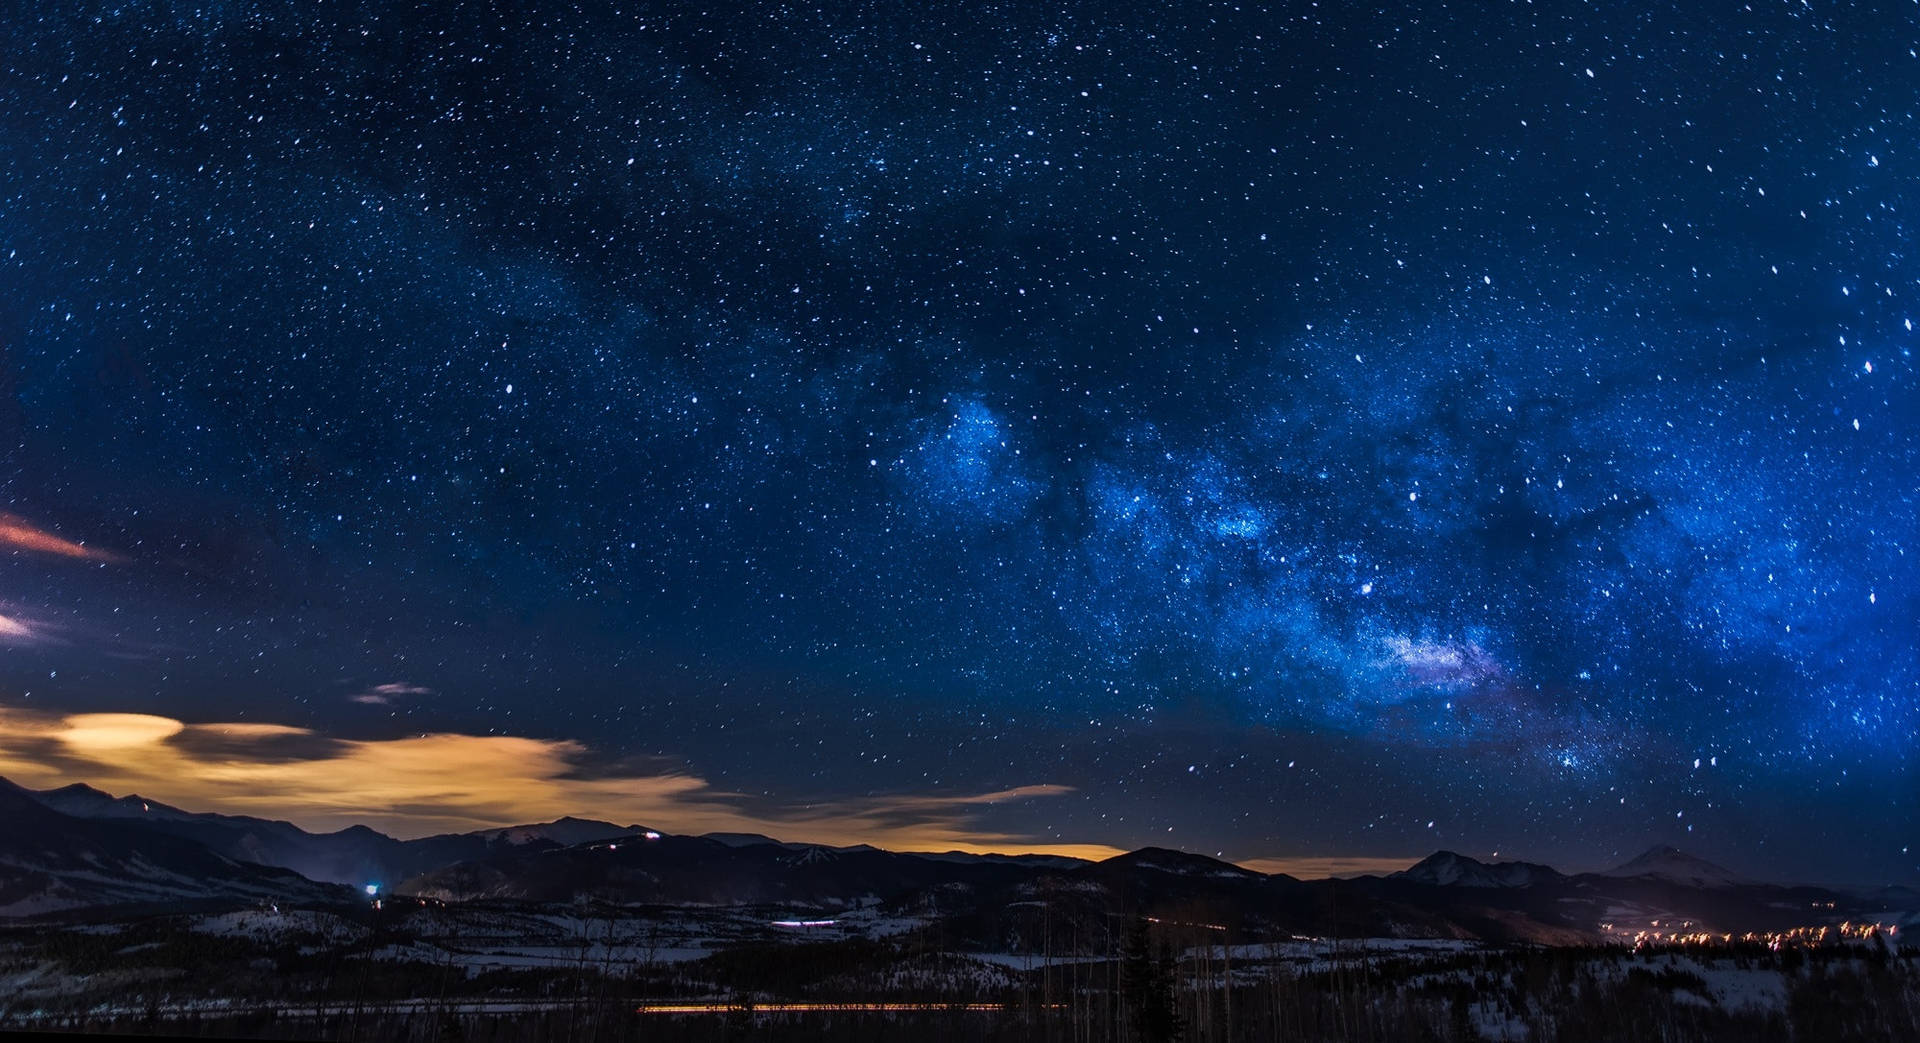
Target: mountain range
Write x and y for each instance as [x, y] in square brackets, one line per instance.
[356, 855]
[50, 862]
[78, 849]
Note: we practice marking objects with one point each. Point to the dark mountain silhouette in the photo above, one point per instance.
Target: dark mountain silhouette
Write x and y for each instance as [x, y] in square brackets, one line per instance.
[1663, 862]
[704, 871]
[981, 898]
[1178, 863]
[128, 850]
[565, 831]
[356, 855]
[51, 862]
[747, 840]
[1449, 869]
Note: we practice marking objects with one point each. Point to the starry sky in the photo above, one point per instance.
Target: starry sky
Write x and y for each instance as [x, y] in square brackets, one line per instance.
[1313, 435]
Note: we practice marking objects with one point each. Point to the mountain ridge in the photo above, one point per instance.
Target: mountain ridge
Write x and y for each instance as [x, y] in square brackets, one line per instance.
[981, 897]
[355, 855]
[1669, 863]
[1451, 869]
[52, 862]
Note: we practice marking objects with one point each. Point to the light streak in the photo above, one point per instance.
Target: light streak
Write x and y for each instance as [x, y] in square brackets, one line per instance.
[1187, 923]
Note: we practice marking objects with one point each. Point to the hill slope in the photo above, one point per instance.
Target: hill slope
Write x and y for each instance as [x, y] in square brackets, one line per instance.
[51, 862]
[355, 856]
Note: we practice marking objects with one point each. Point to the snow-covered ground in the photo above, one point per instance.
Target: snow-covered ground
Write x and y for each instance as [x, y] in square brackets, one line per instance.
[1729, 985]
[266, 924]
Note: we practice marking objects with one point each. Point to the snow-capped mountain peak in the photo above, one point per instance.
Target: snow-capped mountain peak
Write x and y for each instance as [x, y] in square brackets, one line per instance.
[1664, 862]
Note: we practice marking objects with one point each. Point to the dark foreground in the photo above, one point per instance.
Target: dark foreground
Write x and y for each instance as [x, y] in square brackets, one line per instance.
[172, 976]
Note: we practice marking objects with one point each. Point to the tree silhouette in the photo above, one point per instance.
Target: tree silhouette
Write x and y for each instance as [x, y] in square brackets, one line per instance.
[1146, 980]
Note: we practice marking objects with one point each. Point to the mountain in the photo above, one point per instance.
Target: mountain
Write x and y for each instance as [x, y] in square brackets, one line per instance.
[1179, 863]
[356, 855]
[565, 832]
[76, 846]
[1449, 869]
[83, 801]
[680, 870]
[1036, 861]
[980, 901]
[1674, 866]
[985, 898]
[52, 862]
[748, 840]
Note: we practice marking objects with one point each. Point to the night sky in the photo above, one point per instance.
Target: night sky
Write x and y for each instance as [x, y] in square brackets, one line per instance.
[1282, 431]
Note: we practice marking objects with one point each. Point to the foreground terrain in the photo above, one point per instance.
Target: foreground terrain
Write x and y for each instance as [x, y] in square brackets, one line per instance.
[424, 971]
[124, 915]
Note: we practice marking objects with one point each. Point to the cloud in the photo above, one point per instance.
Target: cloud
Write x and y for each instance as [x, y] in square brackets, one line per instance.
[388, 694]
[18, 533]
[446, 782]
[94, 734]
[16, 630]
[996, 797]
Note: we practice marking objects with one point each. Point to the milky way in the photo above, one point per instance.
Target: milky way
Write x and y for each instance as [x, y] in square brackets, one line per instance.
[1299, 432]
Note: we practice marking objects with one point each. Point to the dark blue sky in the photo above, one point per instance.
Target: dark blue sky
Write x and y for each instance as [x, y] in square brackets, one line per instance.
[1301, 432]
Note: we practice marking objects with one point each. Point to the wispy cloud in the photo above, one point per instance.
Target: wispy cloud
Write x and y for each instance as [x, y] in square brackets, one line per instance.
[441, 782]
[17, 630]
[22, 535]
[388, 694]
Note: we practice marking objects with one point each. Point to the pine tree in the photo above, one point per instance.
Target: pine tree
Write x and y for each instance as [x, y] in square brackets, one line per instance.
[1146, 980]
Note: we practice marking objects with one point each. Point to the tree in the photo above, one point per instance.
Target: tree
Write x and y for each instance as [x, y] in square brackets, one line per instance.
[1146, 980]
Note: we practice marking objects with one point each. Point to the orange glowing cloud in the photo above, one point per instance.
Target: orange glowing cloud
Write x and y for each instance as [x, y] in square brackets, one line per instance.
[447, 782]
[20, 534]
[107, 734]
